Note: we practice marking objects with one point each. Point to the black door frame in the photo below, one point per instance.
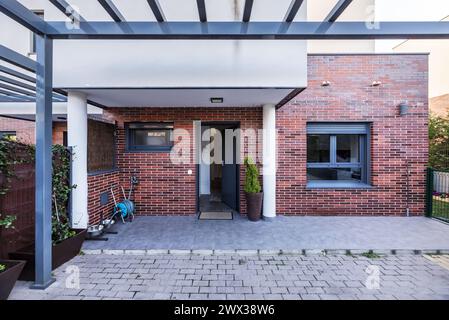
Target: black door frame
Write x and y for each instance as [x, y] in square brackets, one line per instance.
[232, 124]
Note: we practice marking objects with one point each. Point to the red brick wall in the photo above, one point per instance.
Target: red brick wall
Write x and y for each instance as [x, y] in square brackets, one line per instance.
[58, 132]
[165, 188]
[24, 129]
[97, 184]
[395, 140]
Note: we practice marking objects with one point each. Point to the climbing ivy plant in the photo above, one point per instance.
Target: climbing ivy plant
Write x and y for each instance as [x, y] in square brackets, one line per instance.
[13, 153]
[61, 192]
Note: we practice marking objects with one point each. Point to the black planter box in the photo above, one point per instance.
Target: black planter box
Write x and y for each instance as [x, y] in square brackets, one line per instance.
[9, 277]
[61, 253]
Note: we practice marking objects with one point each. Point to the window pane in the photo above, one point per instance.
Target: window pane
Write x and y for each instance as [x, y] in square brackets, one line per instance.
[151, 137]
[318, 148]
[348, 148]
[347, 174]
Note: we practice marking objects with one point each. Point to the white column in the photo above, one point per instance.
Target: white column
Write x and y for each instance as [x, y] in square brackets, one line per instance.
[77, 139]
[269, 161]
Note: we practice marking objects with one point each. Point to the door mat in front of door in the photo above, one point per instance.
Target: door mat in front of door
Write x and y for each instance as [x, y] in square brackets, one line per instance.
[215, 215]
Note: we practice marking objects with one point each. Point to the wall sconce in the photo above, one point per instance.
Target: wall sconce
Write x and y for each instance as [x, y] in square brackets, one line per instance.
[376, 83]
[403, 109]
[325, 84]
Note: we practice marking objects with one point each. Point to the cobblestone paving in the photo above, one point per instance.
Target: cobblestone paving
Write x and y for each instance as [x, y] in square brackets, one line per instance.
[172, 276]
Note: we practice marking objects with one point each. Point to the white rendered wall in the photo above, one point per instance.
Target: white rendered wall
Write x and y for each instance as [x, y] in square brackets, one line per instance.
[269, 161]
[169, 63]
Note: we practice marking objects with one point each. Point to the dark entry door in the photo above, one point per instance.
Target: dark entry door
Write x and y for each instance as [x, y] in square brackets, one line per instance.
[229, 173]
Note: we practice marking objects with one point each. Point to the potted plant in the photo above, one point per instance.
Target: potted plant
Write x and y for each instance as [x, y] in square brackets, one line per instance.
[252, 188]
[9, 269]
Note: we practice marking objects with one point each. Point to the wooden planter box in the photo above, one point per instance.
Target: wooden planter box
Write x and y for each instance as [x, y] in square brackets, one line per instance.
[61, 253]
[9, 277]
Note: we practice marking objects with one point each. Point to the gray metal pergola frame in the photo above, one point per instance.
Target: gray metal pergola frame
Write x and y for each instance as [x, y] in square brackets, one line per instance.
[119, 28]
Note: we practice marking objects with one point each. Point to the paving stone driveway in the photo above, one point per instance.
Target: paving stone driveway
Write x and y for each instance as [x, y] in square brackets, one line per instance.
[171, 276]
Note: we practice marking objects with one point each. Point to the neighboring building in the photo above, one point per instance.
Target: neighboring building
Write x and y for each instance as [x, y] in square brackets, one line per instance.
[439, 106]
[334, 141]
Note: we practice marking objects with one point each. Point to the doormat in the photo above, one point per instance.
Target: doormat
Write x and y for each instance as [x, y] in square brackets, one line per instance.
[215, 215]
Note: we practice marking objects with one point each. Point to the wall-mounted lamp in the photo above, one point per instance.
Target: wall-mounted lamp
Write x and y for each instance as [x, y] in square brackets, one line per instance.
[403, 108]
[376, 83]
[216, 100]
[325, 84]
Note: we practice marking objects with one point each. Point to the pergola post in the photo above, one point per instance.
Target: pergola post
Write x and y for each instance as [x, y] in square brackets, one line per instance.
[44, 88]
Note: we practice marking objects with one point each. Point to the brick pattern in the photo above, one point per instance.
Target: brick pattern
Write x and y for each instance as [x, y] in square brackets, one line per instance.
[58, 132]
[165, 187]
[396, 141]
[97, 184]
[24, 129]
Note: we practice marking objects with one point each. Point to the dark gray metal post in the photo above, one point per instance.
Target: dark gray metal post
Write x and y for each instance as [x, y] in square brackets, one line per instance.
[44, 87]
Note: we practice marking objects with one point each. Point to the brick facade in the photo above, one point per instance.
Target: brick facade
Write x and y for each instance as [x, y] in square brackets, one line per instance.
[166, 188]
[24, 129]
[397, 142]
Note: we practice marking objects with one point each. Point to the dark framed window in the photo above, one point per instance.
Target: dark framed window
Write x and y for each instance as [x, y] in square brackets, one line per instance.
[12, 135]
[337, 154]
[149, 136]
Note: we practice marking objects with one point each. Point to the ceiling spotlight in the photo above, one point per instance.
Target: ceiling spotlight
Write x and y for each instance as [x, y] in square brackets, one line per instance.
[376, 83]
[216, 100]
[325, 84]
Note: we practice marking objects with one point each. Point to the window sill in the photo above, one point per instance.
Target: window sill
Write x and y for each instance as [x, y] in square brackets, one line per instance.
[148, 150]
[337, 185]
[100, 172]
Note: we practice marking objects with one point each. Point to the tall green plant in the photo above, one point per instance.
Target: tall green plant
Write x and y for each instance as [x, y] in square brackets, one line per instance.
[12, 153]
[438, 142]
[61, 192]
[252, 184]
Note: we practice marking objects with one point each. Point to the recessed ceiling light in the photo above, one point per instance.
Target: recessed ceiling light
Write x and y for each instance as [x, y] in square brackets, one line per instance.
[325, 84]
[376, 83]
[216, 100]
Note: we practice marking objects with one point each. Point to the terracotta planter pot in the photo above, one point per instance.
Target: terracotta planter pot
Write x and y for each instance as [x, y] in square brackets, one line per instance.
[9, 277]
[61, 253]
[254, 206]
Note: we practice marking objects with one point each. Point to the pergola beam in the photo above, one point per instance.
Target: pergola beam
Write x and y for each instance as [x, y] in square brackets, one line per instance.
[23, 15]
[17, 90]
[17, 59]
[67, 9]
[201, 10]
[157, 10]
[112, 10]
[16, 97]
[247, 10]
[251, 30]
[295, 5]
[337, 10]
[17, 83]
[17, 74]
